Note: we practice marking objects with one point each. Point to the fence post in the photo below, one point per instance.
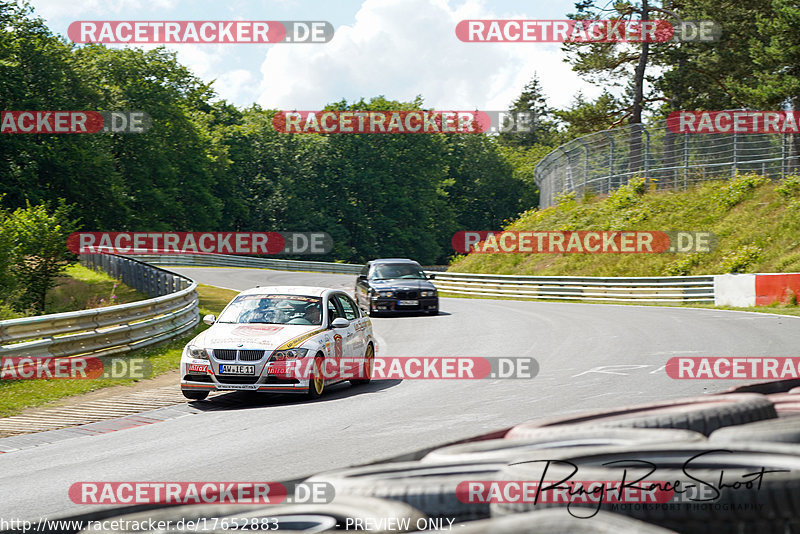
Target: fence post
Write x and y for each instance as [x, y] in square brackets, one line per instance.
[784, 165]
[610, 160]
[685, 160]
[646, 150]
[585, 164]
[569, 183]
[734, 168]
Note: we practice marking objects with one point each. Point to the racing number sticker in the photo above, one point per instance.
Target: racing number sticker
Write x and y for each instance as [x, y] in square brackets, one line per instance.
[337, 346]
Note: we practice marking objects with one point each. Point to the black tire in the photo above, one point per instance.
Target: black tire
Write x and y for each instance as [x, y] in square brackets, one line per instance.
[369, 360]
[430, 488]
[196, 395]
[701, 414]
[316, 382]
[559, 522]
[781, 430]
[768, 506]
[506, 450]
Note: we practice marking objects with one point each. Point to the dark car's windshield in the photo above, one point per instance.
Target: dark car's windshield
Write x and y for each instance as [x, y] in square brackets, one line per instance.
[391, 271]
[273, 309]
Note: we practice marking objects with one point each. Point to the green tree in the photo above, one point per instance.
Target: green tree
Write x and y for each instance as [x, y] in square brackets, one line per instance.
[583, 117]
[532, 100]
[40, 250]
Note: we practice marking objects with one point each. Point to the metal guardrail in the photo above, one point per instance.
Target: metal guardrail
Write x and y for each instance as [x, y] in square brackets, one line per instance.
[227, 260]
[112, 329]
[611, 289]
[601, 162]
[615, 289]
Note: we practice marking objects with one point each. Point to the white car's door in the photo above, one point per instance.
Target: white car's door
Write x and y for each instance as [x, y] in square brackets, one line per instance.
[355, 336]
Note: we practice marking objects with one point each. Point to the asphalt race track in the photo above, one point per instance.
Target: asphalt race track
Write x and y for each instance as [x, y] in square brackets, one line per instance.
[591, 357]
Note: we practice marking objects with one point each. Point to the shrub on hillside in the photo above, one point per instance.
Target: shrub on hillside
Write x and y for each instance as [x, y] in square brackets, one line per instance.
[740, 259]
[738, 188]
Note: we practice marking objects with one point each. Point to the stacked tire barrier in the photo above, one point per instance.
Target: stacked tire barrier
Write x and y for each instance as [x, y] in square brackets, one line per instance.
[113, 329]
[707, 447]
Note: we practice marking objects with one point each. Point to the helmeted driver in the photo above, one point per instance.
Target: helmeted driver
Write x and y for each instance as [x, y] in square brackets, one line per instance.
[263, 313]
[313, 314]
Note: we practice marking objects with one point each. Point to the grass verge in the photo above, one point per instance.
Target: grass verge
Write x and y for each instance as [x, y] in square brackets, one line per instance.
[756, 222]
[16, 395]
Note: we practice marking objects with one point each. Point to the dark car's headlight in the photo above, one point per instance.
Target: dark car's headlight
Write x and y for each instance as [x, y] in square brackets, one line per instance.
[289, 354]
[385, 293]
[197, 352]
[431, 293]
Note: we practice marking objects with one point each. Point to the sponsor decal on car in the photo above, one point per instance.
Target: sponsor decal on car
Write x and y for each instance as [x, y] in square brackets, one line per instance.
[197, 368]
[297, 341]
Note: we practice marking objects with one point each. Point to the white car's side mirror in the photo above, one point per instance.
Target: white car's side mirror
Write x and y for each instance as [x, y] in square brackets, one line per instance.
[210, 319]
[340, 322]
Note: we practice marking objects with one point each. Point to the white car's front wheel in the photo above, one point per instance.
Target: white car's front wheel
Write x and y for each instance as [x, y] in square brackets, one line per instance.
[316, 383]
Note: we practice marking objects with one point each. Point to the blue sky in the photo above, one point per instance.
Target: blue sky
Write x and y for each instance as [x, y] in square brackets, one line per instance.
[395, 48]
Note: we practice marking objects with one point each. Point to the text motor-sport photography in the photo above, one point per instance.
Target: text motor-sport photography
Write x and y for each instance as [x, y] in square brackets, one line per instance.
[400, 265]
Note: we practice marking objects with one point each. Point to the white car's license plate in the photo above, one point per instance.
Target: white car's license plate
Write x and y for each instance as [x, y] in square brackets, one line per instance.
[407, 302]
[231, 369]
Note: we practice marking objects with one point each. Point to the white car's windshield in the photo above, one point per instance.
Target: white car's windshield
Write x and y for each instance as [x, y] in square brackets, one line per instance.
[273, 309]
[392, 271]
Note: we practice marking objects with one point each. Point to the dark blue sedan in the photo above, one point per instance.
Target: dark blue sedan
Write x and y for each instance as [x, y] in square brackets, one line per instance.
[395, 285]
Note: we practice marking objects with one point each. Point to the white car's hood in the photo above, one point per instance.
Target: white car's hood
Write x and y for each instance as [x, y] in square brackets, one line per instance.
[252, 336]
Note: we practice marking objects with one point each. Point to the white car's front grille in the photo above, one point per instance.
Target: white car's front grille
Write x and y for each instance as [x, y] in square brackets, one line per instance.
[251, 355]
[225, 354]
[243, 355]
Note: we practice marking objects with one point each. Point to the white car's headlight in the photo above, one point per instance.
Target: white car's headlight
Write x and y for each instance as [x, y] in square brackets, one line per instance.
[428, 293]
[197, 352]
[385, 293]
[289, 354]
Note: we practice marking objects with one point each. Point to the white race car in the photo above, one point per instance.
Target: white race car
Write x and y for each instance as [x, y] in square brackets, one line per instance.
[266, 336]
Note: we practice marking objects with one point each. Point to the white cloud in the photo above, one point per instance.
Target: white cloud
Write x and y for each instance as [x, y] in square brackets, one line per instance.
[99, 9]
[238, 85]
[402, 48]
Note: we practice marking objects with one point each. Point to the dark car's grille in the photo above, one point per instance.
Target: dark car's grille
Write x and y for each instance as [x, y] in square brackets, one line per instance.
[250, 355]
[406, 294]
[237, 379]
[244, 355]
[225, 354]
